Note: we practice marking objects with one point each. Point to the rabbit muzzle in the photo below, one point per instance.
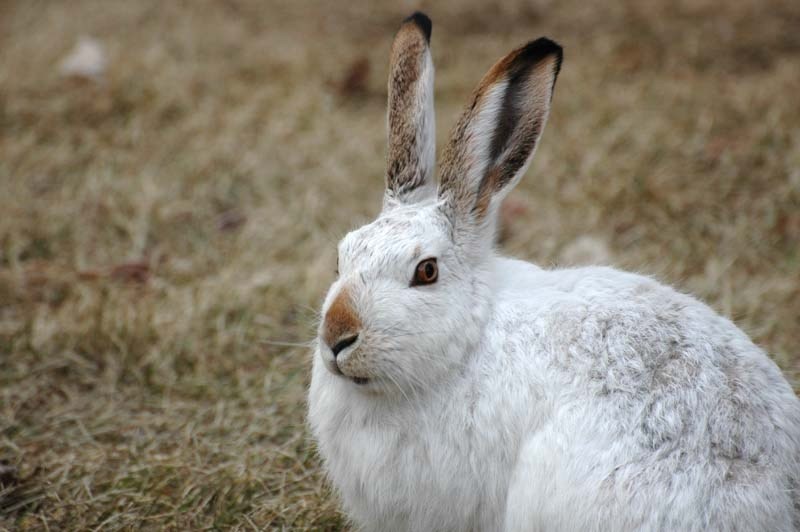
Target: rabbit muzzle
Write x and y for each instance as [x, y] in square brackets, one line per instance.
[340, 334]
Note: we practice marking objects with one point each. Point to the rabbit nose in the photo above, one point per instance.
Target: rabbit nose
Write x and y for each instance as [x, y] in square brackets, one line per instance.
[341, 325]
[343, 344]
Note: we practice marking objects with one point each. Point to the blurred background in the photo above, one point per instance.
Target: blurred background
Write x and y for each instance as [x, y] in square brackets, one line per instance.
[174, 177]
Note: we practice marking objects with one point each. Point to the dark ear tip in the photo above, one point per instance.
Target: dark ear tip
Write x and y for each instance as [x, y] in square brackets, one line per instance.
[542, 47]
[423, 23]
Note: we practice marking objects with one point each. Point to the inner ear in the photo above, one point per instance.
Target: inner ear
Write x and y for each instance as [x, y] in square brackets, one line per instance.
[509, 116]
[520, 120]
[496, 137]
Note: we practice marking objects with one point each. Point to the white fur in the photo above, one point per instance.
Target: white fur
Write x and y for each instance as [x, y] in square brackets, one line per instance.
[574, 411]
[507, 397]
[480, 130]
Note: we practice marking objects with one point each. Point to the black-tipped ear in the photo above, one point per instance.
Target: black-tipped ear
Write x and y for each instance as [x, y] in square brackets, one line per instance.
[411, 121]
[496, 136]
[423, 23]
[511, 112]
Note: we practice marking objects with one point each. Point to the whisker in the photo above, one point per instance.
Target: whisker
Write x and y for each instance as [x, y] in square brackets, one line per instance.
[281, 343]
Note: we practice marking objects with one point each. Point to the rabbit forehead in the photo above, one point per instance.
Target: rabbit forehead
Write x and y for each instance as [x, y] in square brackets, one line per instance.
[401, 233]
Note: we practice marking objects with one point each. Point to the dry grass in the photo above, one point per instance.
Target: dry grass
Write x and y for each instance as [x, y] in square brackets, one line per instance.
[166, 235]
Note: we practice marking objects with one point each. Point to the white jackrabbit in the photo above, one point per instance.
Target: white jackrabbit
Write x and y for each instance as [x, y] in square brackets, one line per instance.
[454, 389]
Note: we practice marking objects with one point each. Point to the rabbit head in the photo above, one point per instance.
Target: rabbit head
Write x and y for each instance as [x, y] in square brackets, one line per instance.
[412, 294]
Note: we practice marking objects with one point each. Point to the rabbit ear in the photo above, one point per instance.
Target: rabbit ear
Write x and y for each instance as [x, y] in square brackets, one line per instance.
[495, 138]
[411, 125]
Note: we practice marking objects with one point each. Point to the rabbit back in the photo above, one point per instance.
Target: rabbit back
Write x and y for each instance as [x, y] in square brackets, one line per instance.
[663, 415]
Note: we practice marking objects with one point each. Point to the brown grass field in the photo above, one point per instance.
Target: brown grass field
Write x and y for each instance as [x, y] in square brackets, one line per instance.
[168, 232]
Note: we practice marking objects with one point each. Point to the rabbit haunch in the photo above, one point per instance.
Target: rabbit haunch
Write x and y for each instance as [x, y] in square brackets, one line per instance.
[507, 397]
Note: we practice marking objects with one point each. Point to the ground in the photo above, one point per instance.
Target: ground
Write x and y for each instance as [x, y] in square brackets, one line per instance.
[168, 230]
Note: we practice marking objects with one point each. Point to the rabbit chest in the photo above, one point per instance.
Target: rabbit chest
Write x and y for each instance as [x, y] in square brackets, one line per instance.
[441, 466]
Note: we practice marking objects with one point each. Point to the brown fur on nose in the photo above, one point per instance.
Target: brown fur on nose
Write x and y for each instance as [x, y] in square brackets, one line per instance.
[341, 319]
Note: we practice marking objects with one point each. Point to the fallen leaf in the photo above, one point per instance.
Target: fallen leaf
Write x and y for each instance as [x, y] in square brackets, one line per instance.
[355, 79]
[132, 272]
[230, 220]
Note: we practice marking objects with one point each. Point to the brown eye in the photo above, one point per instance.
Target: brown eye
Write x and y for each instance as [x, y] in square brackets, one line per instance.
[426, 273]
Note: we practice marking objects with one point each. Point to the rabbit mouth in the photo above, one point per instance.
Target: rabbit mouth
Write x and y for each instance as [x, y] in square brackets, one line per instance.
[361, 381]
[336, 370]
